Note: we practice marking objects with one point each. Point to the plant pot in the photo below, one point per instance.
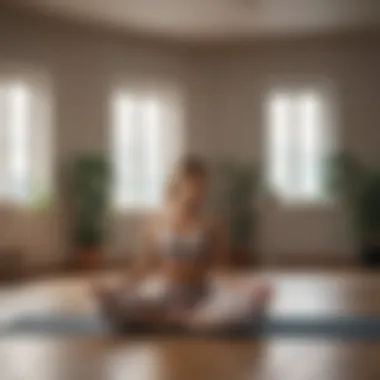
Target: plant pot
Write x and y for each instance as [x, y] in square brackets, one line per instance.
[241, 257]
[90, 258]
[370, 254]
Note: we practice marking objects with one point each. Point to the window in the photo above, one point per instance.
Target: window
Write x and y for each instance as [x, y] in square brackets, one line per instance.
[299, 137]
[25, 160]
[146, 141]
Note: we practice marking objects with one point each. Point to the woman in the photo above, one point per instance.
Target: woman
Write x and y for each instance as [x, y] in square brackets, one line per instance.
[171, 282]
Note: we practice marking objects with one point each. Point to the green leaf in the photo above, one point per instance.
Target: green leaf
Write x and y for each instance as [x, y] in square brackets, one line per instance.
[89, 189]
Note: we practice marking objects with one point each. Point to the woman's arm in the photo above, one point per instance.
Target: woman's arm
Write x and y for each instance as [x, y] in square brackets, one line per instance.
[146, 259]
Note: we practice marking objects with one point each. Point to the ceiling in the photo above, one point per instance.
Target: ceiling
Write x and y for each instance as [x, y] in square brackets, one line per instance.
[219, 19]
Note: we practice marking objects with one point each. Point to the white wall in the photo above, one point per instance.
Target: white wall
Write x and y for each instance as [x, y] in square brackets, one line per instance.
[223, 91]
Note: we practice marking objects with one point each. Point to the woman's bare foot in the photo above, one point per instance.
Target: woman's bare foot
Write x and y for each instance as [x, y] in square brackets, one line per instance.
[260, 297]
[108, 301]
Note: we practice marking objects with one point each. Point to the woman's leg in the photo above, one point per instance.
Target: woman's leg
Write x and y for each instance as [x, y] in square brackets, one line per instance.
[227, 307]
[123, 306]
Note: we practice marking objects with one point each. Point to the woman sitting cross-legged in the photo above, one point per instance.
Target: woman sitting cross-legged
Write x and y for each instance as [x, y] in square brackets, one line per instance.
[172, 282]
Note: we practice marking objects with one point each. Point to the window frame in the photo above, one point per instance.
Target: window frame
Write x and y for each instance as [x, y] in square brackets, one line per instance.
[39, 84]
[296, 86]
[145, 90]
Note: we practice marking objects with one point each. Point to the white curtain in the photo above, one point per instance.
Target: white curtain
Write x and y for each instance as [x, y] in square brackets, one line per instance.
[26, 161]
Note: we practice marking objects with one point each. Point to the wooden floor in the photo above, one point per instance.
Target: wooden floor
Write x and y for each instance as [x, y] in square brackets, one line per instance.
[50, 358]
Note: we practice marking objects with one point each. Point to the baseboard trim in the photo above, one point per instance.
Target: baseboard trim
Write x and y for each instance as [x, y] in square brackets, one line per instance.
[310, 260]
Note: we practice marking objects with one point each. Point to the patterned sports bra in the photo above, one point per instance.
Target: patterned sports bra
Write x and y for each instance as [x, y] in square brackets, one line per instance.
[192, 246]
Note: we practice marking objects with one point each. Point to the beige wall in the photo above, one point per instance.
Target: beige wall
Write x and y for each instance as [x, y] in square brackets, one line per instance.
[81, 67]
[349, 69]
[223, 92]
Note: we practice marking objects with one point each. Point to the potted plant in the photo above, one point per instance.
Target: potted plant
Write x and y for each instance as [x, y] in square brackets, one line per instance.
[360, 188]
[90, 178]
[234, 188]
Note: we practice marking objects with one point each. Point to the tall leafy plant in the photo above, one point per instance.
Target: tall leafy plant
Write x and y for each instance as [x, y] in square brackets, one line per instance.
[359, 187]
[90, 179]
[235, 187]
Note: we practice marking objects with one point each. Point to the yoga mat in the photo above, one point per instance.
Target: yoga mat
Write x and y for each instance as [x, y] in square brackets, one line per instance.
[330, 327]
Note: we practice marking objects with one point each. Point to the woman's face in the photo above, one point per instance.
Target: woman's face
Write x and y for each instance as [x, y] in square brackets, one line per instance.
[192, 190]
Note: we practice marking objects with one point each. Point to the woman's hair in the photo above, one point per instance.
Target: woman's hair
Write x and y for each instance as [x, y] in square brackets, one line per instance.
[189, 166]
